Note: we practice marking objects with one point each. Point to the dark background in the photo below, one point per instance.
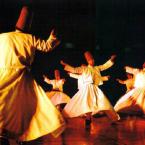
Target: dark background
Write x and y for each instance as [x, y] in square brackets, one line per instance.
[104, 27]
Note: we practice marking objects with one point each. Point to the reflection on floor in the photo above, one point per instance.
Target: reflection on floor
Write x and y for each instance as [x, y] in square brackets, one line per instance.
[130, 130]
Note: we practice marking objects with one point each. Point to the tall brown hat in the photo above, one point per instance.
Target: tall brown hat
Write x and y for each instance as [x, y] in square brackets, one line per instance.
[88, 55]
[25, 19]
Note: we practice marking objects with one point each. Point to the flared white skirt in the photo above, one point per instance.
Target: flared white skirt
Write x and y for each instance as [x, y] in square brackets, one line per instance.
[58, 97]
[89, 99]
[132, 102]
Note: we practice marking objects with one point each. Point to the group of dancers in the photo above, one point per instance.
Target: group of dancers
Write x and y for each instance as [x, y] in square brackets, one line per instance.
[90, 100]
[27, 112]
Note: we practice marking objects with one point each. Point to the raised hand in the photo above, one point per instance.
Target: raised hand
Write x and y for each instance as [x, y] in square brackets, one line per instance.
[63, 63]
[108, 77]
[45, 78]
[117, 80]
[53, 33]
[54, 40]
[113, 57]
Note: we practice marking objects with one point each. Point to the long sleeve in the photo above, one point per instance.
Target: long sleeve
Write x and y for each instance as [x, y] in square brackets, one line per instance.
[121, 81]
[131, 70]
[48, 81]
[76, 76]
[75, 70]
[104, 78]
[47, 45]
[106, 65]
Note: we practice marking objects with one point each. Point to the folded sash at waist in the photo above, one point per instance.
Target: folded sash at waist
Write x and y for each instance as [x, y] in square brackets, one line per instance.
[56, 90]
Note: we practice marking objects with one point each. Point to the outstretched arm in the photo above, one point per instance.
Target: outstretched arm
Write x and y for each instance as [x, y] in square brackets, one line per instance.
[69, 68]
[63, 63]
[46, 79]
[76, 76]
[113, 57]
[120, 81]
[131, 70]
[105, 78]
[108, 64]
[47, 45]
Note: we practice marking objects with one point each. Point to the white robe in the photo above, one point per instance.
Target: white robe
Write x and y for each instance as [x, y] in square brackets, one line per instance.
[134, 100]
[96, 77]
[79, 78]
[89, 99]
[25, 111]
[57, 95]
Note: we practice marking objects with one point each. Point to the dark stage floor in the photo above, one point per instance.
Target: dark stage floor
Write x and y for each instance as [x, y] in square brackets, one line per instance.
[129, 131]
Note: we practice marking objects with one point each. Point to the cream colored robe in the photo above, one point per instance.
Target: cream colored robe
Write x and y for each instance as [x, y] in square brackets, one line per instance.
[89, 98]
[95, 71]
[139, 76]
[25, 111]
[56, 95]
[129, 84]
[56, 84]
[134, 100]
[80, 79]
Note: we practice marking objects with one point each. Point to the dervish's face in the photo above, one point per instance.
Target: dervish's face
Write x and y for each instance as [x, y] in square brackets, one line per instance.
[91, 61]
[129, 76]
[57, 77]
[89, 58]
[57, 74]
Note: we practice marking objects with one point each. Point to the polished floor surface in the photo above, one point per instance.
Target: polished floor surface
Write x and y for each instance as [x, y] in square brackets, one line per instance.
[130, 130]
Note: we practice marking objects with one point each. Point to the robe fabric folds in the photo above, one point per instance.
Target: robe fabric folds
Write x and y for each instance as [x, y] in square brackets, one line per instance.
[57, 96]
[133, 101]
[89, 98]
[26, 113]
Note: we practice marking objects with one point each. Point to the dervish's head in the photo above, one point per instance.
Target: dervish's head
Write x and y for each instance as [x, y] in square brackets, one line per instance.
[89, 58]
[25, 19]
[57, 74]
